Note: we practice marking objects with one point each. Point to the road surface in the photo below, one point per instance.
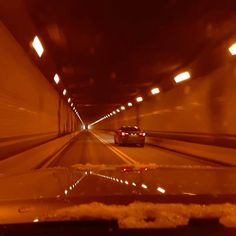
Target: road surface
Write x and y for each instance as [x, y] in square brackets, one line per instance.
[93, 147]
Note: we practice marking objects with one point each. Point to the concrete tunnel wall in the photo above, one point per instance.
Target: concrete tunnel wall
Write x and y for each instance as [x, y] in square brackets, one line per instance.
[29, 105]
[198, 110]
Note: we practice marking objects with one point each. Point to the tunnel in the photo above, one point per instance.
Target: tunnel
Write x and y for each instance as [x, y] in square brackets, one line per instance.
[65, 96]
[117, 117]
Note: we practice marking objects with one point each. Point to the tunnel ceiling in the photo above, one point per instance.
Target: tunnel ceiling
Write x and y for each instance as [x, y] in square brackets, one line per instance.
[107, 51]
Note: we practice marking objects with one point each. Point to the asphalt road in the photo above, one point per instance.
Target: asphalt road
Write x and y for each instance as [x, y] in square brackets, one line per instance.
[98, 148]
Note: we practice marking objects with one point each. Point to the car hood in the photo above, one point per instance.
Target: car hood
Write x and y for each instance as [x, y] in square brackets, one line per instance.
[62, 193]
[100, 181]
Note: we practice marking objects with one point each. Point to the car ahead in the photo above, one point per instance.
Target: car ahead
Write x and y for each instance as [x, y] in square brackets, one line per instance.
[129, 135]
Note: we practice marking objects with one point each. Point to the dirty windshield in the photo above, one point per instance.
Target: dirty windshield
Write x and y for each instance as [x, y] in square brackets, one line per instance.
[107, 103]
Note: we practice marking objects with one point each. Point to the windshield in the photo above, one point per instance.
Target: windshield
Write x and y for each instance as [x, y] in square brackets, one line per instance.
[115, 102]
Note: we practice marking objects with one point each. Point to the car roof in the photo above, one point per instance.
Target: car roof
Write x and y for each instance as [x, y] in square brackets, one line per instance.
[130, 127]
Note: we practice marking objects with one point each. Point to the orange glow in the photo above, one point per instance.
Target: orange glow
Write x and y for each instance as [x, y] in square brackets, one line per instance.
[56, 78]
[130, 104]
[38, 46]
[64, 92]
[232, 49]
[182, 76]
[69, 99]
[122, 108]
[139, 99]
[155, 91]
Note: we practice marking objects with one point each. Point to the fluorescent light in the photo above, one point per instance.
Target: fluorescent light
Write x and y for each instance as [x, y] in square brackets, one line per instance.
[155, 91]
[139, 99]
[117, 110]
[69, 99]
[122, 108]
[37, 45]
[161, 190]
[182, 76]
[144, 186]
[232, 49]
[130, 104]
[72, 104]
[64, 92]
[56, 78]
[114, 112]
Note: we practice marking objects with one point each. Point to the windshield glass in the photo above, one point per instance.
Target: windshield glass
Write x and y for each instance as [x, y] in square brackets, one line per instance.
[114, 102]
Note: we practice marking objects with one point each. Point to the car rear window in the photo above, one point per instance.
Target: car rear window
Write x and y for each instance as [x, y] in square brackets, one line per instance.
[128, 129]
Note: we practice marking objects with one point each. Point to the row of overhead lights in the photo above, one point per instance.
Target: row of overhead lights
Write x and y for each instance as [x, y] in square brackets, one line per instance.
[126, 182]
[38, 47]
[178, 78]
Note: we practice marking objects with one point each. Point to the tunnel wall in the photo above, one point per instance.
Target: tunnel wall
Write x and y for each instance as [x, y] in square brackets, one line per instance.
[202, 109]
[29, 104]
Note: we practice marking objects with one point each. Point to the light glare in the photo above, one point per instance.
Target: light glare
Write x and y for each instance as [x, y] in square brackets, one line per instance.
[130, 104]
[122, 108]
[69, 99]
[144, 186]
[182, 76]
[161, 190]
[232, 49]
[139, 99]
[56, 78]
[37, 46]
[64, 92]
[155, 91]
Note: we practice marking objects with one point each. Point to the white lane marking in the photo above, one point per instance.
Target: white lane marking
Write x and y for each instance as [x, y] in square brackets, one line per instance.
[122, 155]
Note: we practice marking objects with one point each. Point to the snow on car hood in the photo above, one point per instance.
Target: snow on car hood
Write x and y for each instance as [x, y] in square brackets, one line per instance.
[149, 215]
